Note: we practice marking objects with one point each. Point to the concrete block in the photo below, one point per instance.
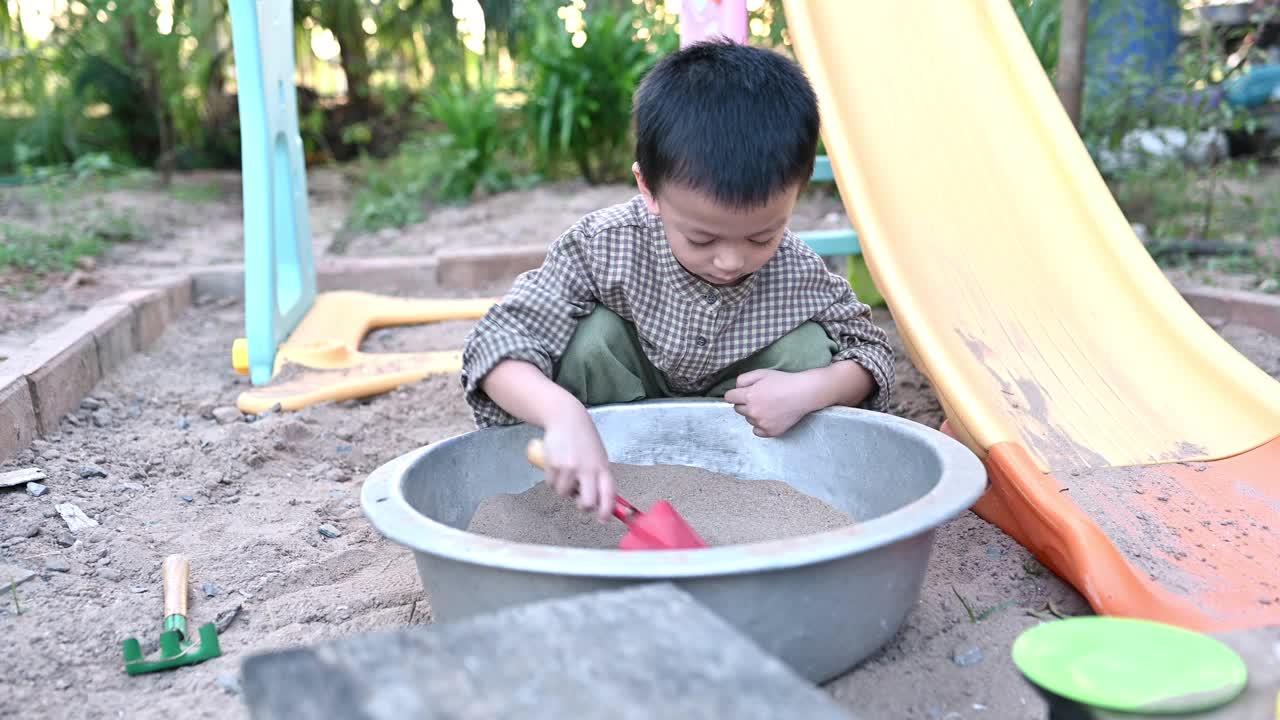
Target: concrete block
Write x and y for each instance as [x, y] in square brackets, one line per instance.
[1236, 306]
[112, 327]
[177, 292]
[400, 276]
[18, 425]
[151, 314]
[486, 267]
[62, 368]
[644, 652]
[219, 281]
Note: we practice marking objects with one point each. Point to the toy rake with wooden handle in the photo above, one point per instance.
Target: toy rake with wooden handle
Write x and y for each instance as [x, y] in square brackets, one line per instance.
[660, 528]
[175, 650]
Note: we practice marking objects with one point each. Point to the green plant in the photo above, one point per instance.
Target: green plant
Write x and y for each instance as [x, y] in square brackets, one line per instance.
[1041, 20]
[580, 85]
[473, 122]
[39, 250]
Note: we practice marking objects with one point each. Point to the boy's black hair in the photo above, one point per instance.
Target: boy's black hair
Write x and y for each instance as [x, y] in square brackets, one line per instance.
[736, 122]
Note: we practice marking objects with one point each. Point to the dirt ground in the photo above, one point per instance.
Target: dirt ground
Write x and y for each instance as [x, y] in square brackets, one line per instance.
[281, 554]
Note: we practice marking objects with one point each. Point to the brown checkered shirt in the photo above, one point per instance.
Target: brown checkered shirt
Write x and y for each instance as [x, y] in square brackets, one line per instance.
[689, 329]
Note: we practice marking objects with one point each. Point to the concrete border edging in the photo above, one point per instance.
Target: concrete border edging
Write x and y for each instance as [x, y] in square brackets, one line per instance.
[46, 381]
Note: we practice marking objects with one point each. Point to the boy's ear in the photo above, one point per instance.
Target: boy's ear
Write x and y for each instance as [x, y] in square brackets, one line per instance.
[649, 200]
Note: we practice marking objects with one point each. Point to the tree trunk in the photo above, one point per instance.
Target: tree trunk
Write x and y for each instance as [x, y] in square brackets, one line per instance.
[1071, 56]
[354, 56]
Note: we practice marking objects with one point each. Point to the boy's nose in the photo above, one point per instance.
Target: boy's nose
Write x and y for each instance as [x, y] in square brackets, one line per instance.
[729, 262]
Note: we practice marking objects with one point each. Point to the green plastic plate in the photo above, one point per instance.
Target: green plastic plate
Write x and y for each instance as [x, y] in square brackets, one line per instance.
[1127, 665]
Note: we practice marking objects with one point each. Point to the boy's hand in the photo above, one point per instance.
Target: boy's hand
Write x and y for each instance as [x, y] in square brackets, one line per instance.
[577, 464]
[773, 401]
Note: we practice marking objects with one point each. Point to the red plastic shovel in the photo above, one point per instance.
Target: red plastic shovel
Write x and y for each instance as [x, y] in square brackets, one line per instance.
[661, 528]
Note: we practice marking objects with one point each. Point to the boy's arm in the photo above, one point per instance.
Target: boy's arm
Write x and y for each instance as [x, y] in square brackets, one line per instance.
[509, 361]
[848, 321]
[861, 372]
[533, 324]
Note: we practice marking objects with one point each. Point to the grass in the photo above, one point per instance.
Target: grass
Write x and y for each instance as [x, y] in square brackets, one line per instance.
[196, 193]
[1234, 206]
[975, 616]
[59, 249]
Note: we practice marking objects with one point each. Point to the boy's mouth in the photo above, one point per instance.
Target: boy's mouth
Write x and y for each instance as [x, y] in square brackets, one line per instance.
[719, 280]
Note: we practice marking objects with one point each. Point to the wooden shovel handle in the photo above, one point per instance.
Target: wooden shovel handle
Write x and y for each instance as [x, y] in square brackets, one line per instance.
[536, 452]
[176, 570]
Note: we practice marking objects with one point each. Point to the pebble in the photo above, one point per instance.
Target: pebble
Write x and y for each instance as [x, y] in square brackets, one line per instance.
[188, 498]
[49, 512]
[121, 487]
[65, 538]
[35, 489]
[102, 418]
[183, 423]
[346, 434]
[23, 531]
[91, 403]
[57, 564]
[226, 415]
[229, 683]
[329, 531]
[337, 475]
[966, 656]
[210, 590]
[109, 573]
[89, 471]
[137, 589]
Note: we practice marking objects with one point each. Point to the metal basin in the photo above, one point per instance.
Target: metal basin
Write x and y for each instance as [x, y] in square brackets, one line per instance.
[821, 603]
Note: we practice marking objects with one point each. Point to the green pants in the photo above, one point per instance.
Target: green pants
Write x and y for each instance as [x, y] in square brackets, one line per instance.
[605, 363]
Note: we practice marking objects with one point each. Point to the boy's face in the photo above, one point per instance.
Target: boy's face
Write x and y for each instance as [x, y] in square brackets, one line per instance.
[721, 245]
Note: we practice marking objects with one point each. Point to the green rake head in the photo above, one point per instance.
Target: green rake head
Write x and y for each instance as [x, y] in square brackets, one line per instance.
[175, 651]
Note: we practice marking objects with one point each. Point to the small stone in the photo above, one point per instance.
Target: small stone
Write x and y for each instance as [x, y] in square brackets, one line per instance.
[75, 518]
[205, 409]
[57, 564]
[329, 531]
[65, 538]
[13, 478]
[137, 589]
[102, 418]
[21, 532]
[91, 404]
[13, 574]
[337, 475]
[183, 423]
[230, 684]
[226, 415]
[35, 489]
[994, 552]
[187, 498]
[346, 434]
[89, 471]
[210, 590]
[966, 656]
[122, 487]
[109, 573]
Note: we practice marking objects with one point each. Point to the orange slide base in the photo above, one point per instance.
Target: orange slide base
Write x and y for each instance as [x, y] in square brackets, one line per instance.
[1194, 544]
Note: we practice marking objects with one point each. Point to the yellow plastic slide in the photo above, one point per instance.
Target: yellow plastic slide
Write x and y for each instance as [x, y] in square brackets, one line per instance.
[1132, 449]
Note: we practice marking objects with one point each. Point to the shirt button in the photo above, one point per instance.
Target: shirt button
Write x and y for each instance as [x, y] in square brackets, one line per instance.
[710, 297]
[700, 341]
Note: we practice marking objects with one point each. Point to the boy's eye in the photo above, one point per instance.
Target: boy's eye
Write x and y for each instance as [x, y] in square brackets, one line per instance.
[701, 240]
[764, 240]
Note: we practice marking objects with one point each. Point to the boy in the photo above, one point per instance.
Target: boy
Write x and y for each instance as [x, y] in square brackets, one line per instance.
[696, 287]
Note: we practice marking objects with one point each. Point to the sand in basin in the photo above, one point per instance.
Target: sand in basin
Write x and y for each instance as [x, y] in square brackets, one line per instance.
[722, 509]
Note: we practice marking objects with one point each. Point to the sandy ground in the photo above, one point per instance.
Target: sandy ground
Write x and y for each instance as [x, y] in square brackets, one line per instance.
[251, 503]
